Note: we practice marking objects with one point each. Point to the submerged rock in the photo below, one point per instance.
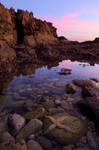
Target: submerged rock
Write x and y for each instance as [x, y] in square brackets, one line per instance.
[13, 146]
[36, 114]
[33, 126]
[33, 145]
[6, 138]
[45, 143]
[70, 88]
[64, 128]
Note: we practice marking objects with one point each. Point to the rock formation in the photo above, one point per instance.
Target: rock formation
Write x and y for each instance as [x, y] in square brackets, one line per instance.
[25, 39]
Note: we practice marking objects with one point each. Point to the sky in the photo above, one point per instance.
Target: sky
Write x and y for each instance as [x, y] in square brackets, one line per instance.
[74, 19]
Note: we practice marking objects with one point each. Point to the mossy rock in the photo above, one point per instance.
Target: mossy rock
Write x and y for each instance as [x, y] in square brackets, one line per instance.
[38, 113]
[63, 136]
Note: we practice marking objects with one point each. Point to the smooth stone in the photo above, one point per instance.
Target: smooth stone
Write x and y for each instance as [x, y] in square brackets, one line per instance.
[38, 113]
[33, 145]
[6, 138]
[45, 143]
[84, 82]
[61, 135]
[70, 88]
[31, 127]
[15, 123]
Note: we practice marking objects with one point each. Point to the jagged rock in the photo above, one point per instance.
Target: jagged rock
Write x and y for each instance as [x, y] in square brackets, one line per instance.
[29, 41]
[15, 122]
[33, 145]
[33, 126]
[7, 31]
[7, 54]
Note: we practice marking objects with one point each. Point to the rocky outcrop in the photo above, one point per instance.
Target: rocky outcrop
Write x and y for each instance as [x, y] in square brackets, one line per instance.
[14, 26]
[25, 39]
[7, 31]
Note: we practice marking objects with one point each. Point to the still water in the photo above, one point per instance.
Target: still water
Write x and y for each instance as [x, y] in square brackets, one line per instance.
[45, 82]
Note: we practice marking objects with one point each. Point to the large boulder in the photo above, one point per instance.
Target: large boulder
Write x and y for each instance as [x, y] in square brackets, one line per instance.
[64, 128]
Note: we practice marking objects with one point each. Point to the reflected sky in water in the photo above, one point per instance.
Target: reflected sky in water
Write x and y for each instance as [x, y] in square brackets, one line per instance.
[47, 82]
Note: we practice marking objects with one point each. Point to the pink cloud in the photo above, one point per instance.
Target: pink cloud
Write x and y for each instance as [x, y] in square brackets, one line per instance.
[74, 28]
[71, 15]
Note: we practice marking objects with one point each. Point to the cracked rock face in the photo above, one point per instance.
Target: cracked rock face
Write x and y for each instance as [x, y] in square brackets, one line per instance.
[15, 25]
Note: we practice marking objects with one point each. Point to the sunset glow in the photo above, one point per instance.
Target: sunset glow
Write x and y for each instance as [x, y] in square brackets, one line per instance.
[75, 20]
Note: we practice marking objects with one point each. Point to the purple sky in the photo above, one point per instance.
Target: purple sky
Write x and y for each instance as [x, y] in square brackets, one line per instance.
[75, 19]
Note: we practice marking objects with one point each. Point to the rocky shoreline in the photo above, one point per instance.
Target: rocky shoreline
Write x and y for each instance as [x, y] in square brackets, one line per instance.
[38, 120]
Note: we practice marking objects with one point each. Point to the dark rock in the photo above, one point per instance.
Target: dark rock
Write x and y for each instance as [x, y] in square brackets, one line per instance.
[45, 143]
[6, 138]
[92, 142]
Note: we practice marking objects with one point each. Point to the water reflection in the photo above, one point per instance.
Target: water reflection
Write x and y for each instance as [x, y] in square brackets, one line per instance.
[32, 81]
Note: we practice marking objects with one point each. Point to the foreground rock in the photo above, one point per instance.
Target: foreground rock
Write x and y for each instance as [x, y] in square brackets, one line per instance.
[32, 127]
[64, 128]
[33, 145]
[13, 146]
[15, 122]
[6, 138]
